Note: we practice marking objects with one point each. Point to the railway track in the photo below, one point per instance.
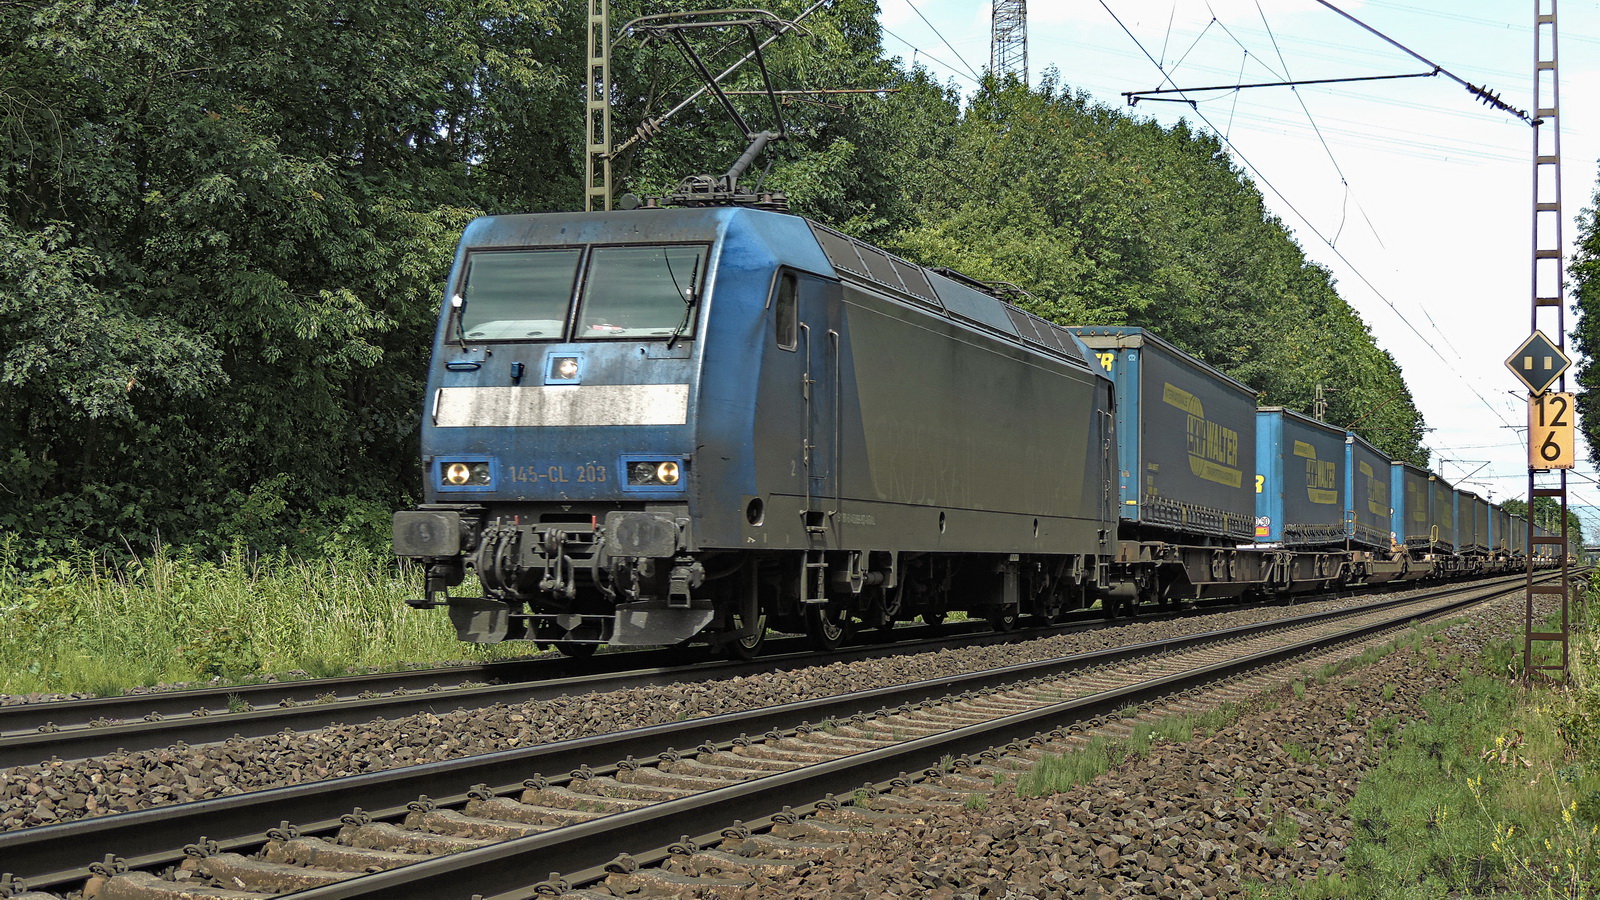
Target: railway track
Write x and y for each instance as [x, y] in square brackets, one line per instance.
[80, 729]
[750, 781]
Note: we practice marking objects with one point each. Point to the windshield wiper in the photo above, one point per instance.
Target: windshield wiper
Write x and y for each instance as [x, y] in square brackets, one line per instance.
[456, 305]
[688, 296]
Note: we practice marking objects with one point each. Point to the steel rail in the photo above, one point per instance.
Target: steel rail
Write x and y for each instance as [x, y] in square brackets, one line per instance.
[169, 716]
[80, 729]
[61, 854]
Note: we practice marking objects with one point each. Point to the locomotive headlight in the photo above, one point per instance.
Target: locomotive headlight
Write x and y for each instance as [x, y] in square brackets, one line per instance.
[653, 473]
[467, 474]
[564, 368]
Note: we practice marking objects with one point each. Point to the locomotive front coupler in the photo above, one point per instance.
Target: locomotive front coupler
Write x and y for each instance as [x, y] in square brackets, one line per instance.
[687, 573]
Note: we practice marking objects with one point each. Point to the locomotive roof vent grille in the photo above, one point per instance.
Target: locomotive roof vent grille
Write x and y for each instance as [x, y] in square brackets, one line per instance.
[946, 291]
[850, 255]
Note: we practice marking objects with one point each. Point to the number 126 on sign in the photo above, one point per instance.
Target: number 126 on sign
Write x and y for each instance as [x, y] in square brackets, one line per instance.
[1552, 426]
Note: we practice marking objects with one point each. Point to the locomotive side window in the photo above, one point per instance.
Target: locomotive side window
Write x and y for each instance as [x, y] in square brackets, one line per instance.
[783, 312]
[511, 295]
[641, 292]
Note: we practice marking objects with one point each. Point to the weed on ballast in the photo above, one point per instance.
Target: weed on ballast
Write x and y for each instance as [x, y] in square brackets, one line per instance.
[1060, 772]
[1055, 773]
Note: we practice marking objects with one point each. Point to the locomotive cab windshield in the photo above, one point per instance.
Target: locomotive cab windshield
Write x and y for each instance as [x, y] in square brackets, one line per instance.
[630, 292]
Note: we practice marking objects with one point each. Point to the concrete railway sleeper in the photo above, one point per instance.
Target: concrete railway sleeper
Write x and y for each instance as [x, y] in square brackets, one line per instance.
[491, 837]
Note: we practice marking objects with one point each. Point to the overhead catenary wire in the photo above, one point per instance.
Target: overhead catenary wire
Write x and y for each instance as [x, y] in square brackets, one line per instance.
[1314, 230]
[1482, 93]
[953, 70]
[1092, 69]
[941, 37]
[1312, 119]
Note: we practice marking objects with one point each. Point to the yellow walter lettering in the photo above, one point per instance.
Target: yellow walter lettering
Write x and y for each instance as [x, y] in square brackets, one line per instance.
[1106, 359]
[1377, 497]
[1322, 477]
[1173, 395]
[1213, 448]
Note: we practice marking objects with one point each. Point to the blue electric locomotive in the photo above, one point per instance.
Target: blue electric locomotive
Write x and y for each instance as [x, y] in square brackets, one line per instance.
[662, 426]
[658, 426]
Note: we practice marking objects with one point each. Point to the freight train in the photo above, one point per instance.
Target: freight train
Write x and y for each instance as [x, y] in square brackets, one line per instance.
[668, 426]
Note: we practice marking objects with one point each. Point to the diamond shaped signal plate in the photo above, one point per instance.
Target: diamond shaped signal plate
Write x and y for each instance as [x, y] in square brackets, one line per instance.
[1538, 363]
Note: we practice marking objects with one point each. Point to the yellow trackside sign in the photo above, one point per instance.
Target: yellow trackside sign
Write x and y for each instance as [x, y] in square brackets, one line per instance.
[1552, 430]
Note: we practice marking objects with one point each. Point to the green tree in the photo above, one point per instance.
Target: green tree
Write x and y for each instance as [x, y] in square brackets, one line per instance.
[222, 233]
[1585, 272]
[1108, 219]
[224, 230]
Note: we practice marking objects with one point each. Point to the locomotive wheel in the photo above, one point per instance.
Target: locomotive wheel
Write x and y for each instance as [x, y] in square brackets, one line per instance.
[575, 650]
[749, 647]
[1003, 618]
[826, 627]
[745, 646]
[933, 617]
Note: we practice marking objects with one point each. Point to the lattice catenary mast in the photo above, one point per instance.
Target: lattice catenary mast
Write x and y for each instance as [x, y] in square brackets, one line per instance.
[1008, 39]
[1549, 303]
[597, 110]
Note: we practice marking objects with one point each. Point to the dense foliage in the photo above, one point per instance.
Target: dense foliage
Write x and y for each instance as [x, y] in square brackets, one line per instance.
[224, 230]
[1108, 219]
[1585, 274]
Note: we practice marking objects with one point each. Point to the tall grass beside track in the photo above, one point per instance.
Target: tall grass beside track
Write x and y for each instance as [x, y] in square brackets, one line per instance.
[1494, 793]
[88, 625]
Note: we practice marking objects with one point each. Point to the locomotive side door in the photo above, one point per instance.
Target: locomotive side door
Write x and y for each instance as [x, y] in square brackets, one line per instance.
[819, 324]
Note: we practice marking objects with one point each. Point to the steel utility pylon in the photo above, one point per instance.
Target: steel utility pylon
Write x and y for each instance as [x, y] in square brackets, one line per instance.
[1008, 39]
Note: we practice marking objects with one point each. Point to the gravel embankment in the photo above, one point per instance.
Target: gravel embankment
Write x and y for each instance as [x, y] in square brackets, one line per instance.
[56, 791]
[1261, 800]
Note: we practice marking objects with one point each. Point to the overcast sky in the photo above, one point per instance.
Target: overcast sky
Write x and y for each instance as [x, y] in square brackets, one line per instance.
[1416, 195]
